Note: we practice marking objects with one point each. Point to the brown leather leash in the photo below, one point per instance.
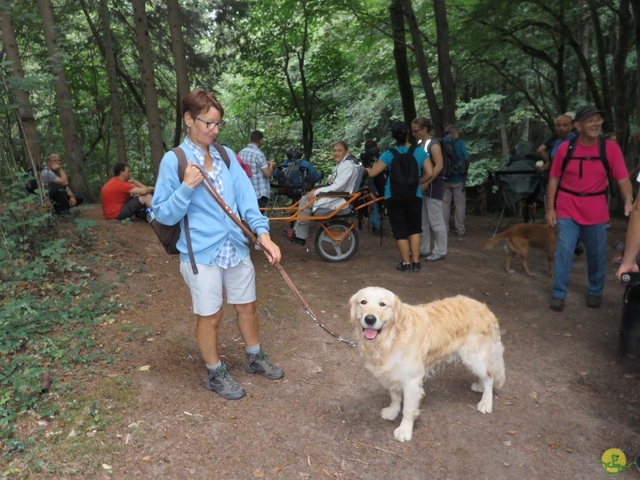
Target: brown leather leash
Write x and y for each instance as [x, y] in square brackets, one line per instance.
[211, 190]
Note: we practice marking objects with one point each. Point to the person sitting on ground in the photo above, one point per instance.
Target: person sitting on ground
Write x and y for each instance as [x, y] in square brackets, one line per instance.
[342, 179]
[122, 197]
[55, 181]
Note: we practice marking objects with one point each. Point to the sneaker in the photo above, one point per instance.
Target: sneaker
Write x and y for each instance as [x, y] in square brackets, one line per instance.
[594, 301]
[258, 363]
[220, 381]
[291, 236]
[434, 257]
[415, 266]
[556, 304]
[403, 267]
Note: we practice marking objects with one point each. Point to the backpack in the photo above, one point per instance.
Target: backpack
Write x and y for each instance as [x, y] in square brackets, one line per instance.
[450, 163]
[170, 234]
[602, 153]
[32, 183]
[404, 176]
[291, 175]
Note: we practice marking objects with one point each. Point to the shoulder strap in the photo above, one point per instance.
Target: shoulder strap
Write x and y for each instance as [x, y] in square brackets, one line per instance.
[394, 152]
[412, 149]
[567, 157]
[223, 153]
[182, 166]
[602, 151]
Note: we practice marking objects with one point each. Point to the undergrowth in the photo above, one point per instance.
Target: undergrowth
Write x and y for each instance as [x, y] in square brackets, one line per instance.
[50, 304]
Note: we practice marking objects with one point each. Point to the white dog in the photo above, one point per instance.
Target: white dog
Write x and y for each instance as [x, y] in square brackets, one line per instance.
[402, 343]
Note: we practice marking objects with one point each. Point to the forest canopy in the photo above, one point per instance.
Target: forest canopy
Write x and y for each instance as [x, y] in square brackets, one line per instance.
[99, 81]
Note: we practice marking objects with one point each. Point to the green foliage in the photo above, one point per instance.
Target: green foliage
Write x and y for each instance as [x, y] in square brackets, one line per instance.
[46, 288]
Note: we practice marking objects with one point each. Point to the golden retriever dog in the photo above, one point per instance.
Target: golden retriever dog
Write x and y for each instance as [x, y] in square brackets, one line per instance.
[519, 238]
[401, 344]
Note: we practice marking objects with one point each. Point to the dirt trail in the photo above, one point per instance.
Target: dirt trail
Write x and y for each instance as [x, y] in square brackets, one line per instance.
[567, 399]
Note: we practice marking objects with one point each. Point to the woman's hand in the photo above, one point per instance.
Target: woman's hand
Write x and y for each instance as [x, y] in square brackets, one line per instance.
[271, 249]
[192, 175]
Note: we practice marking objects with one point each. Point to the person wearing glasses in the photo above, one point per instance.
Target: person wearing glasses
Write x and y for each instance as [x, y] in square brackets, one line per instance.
[577, 204]
[55, 181]
[219, 245]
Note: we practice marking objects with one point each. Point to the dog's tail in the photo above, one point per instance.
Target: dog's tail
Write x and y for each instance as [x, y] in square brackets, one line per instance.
[497, 364]
[492, 241]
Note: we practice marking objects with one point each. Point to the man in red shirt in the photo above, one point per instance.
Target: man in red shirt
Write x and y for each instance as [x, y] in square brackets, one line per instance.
[122, 197]
[580, 206]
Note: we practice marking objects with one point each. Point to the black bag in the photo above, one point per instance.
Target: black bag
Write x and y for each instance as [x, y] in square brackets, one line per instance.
[170, 234]
[450, 162]
[32, 183]
[404, 176]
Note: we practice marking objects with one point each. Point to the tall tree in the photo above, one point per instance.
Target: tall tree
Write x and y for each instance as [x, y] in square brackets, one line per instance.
[179, 60]
[26, 121]
[70, 137]
[396, 13]
[141, 26]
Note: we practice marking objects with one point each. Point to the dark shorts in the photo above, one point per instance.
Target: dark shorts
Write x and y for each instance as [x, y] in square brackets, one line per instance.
[130, 208]
[405, 217]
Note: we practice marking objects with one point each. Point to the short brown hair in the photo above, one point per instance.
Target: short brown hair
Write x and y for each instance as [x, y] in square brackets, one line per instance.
[199, 101]
[423, 122]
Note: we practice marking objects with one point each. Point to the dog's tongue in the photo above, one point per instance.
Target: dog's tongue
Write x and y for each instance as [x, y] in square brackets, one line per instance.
[370, 333]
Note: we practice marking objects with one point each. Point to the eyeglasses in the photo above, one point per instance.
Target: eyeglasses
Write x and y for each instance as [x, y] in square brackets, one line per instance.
[212, 125]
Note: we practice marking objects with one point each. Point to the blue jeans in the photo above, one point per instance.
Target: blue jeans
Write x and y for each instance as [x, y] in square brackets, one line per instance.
[595, 243]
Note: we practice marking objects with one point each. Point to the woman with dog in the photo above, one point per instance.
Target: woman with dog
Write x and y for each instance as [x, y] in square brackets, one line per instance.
[577, 203]
[405, 216]
[219, 245]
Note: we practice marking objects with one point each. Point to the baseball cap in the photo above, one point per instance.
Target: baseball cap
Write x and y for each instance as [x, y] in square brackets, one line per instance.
[585, 113]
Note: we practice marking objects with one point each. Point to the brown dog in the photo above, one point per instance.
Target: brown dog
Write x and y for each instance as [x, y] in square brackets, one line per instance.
[519, 238]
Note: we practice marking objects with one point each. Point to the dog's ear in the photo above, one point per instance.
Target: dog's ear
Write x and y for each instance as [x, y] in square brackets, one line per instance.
[397, 311]
[353, 305]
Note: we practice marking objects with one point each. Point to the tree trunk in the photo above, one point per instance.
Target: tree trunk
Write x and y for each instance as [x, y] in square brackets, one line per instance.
[447, 85]
[112, 75]
[24, 113]
[421, 63]
[401, 62]
[503, 134]
[635, 6]
[179, 60]
[70, 138]
[621, 80]
[148, 84]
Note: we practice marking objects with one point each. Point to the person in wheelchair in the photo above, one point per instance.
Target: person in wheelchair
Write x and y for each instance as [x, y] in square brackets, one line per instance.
[342, 179]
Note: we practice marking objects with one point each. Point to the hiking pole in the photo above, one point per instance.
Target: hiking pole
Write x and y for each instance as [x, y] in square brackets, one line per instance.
[211, 190]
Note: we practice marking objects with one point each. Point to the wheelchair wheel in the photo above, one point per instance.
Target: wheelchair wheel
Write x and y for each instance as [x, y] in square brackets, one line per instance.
[333, 243]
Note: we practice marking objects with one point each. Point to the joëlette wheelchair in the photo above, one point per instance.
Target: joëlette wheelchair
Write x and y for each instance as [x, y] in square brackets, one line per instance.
[337, 238]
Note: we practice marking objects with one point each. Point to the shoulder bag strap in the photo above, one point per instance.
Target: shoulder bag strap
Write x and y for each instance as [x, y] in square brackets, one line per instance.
[182, 166]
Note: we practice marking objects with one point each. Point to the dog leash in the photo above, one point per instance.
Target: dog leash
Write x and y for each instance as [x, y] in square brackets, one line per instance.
[211, 190]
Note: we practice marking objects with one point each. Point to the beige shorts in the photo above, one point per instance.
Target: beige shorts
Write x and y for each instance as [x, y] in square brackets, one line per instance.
[206, 286]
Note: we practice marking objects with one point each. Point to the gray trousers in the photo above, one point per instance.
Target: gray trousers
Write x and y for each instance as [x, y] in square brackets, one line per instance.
[457, 193]
[433, 221]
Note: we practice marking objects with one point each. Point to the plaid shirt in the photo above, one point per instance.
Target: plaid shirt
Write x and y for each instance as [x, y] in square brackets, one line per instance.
[254, 157]
[228, 256]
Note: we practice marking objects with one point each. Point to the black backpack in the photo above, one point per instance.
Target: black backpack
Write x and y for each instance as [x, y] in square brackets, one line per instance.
[404, 176]
[602, 153]
[450, 164]
[32, 183]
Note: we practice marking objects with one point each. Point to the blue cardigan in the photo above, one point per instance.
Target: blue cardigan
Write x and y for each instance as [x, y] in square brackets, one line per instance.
[209, 226]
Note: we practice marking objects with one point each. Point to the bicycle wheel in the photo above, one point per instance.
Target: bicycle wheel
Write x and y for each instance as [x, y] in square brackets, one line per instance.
[332, 242]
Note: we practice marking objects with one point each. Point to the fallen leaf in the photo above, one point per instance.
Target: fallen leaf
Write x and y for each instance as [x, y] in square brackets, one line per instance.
[258, 473]
[144, 368]
[146, 458]
[106, 466]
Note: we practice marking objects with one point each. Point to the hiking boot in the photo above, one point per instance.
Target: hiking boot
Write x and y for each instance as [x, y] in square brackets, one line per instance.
[434, 257]
[220, 381]
[403, 267]
[291, 236]
[556, 304]
[594, 301]
[258, 363]
[415, 266]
